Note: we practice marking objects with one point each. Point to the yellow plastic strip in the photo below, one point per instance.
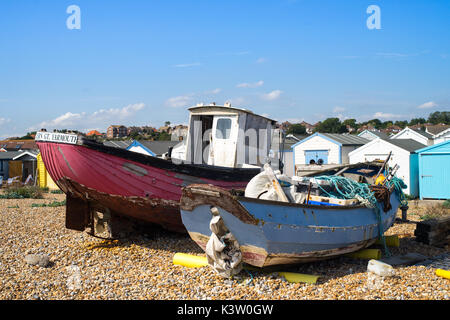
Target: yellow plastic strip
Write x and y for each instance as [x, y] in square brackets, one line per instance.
[299, 277]
[189, 260]
[366, 254]
[391, 241]
[443, 273]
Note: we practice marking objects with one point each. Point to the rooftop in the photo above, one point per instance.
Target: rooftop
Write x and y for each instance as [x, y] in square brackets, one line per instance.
[118, 144]
[158, 147]
[406, 144]
[423, 133]
[434, 130]
[346, 139]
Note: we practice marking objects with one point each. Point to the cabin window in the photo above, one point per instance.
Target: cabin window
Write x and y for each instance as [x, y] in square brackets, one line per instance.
[223, 128]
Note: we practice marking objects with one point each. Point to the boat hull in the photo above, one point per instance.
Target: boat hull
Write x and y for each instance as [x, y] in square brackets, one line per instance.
[273, 233]
[129, 184]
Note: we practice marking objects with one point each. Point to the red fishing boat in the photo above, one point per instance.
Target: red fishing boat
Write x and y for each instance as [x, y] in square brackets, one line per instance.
[105, 186]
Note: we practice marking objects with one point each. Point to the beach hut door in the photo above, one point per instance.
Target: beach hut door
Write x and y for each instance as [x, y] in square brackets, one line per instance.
[222, 150]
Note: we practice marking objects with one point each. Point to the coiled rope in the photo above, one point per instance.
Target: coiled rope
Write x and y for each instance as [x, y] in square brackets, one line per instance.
[345, 188]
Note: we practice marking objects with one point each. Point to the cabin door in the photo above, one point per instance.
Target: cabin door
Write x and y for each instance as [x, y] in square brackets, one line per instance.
[223, 141]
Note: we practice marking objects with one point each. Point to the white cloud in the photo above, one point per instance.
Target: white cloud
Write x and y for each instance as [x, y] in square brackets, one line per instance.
[294, 120]
[179, 101]
[349, 57]
[392, 55]
[4, 120]
[235, 53]
[236, 101]
[118, 113]
[273, 95]
[261, 60]
[215, 91]
[401, 55]
[66, 120]
[382, 115]
[338, 109]
[187, 65]
[188, 99]
[427, 105]
[250, 85]
[98, 119]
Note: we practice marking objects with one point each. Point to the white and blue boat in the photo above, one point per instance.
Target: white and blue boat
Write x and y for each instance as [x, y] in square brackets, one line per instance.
[277, 233]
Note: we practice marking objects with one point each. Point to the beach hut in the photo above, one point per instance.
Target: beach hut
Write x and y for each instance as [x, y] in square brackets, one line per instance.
[372, 135]
[44, 179]
[322, 150]
[442, 136]
[17, 164]
[419, 135]
[403, 154]
[434, 171]
[151, 148]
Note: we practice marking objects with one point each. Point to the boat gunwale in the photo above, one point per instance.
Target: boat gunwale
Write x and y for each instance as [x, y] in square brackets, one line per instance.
[196, 170]
[299, 205]
[241, 199]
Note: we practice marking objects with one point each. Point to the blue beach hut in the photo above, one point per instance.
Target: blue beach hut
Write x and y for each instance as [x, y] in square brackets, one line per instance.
[434, 171]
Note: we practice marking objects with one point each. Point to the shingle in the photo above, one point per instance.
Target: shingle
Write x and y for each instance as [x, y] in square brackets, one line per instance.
[158, 147]
[346, 139]
[9, 155]
[437, 129]
[117, 144]
[423, 133]
[406, 144]
[380, 134]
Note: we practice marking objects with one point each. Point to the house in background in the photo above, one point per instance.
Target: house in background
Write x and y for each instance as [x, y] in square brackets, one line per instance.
[420, 136]
[309, 127]
[116, 131]
[19, 164]
[152, 148]
[322, 150]
[442, 136]
[435, 129]
[403, 154]
[373, 134]
[179, 133]
[94, 133]
[434, 171]
[17, 145]
[439, 132]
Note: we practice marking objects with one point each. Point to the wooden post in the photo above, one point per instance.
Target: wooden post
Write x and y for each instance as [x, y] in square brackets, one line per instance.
[404, 213]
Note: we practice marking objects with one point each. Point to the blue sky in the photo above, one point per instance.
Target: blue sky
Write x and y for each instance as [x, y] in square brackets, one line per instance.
[145, 62]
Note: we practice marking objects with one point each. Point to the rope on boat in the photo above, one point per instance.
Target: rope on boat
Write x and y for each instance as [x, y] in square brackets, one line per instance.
[349, 189]
[399, 185]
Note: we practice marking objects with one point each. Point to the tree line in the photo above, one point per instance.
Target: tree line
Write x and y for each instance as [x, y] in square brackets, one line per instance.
[335, 125]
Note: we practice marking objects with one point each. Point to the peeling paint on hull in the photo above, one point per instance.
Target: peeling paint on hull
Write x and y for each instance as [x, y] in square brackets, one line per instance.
[137, 186]
[274, 233]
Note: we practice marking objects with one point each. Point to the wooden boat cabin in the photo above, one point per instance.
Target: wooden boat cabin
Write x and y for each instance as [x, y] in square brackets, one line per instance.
[227, 137]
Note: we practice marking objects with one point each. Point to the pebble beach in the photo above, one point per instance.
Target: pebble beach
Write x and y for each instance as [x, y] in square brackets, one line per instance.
[140, 267]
